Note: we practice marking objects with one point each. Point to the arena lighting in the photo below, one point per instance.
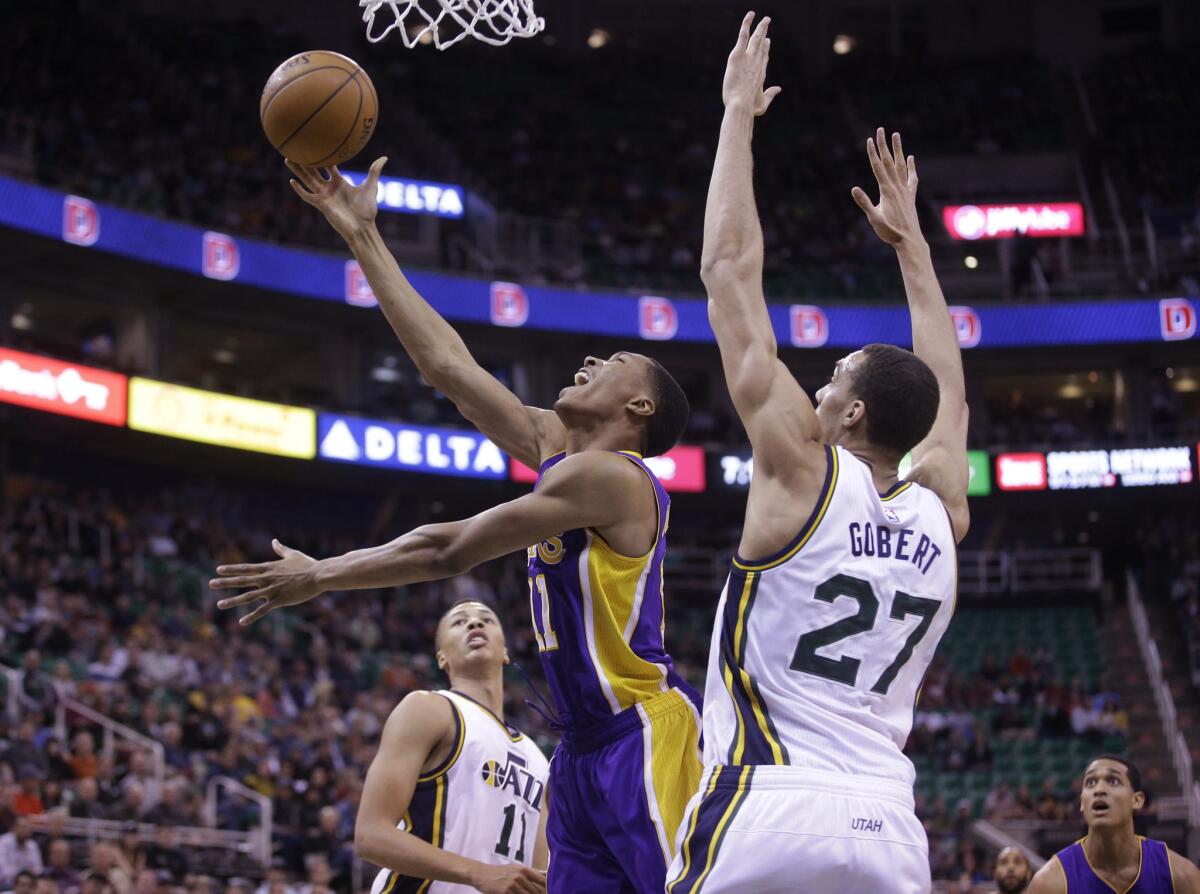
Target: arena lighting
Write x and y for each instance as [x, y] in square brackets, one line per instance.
[843, 44]
[598, 38]
[971, 262]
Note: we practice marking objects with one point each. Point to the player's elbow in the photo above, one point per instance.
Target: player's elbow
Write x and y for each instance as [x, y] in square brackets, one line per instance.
[366, 842]
[723, 269]
[442, 554]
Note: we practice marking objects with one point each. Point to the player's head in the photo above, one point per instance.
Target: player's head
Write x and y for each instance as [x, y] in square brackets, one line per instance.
[470, 640]
[1013, 871]
[628, 389]
[883, 396]
[1112, 791]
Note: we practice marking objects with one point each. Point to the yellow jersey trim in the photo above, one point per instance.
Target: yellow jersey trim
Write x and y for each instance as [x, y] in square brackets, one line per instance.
[810, 526]
[895, 493]
[687, 841]
[514, 734]
[1141, 860]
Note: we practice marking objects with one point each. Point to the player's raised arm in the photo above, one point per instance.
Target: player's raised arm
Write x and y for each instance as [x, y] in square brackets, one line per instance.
[939, 461]
[419, 728]
[585, 490]
[528, 433]
[778, 415]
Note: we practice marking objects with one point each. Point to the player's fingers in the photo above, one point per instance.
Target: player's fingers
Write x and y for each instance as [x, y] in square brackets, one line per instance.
[881, 146]
[303, 174]
[243, 599]
[862, 200]
[768, 97]
[898, 155]
[281, 550]
[230, 570]
[912, 172]
[873, 157]
[301, 191]
[261, 612]
[744, 33]
[375, 171]
[760, 33]
[235, 583]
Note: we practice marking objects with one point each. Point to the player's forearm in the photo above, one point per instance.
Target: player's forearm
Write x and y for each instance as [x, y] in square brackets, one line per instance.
[934, 338]
[432, 343]
[732, 234]
[420, 555]
[408, 855]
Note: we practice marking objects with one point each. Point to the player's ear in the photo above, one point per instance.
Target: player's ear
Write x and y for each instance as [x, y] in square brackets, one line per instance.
[507, 660]
[641, 406]
[1139, 800]
[856, 412]
[440, 657]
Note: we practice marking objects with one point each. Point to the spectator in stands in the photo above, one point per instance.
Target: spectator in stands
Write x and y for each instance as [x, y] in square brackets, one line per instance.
[1013, 872]
[174, 754]
[95, 883]
[58, 769]
[162, 855]
[107, 861]
[140, 774]
[238, 886]
[1049, 805]
[171, 810]
[277, 880]
[86, 804]
[18, 851]
[148, 881]
[83, 760]
[46, 885]
[329, 842]
[58, 866]
[1000, 802]
[320, 876]
[23, 883]
[28, 801]
[132, 805]
[24, 752]
[1024, 807]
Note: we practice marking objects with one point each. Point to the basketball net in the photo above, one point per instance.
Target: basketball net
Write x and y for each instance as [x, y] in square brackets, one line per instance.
[445, 22]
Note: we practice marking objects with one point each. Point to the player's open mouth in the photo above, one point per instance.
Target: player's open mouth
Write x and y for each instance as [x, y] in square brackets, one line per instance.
[477, 639]
[1100, 807]
[582, 377]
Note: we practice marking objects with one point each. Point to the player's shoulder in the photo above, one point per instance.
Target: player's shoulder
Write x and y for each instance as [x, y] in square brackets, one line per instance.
[1050, 879]
[425, 706]
[1185, 876]
[600, 467]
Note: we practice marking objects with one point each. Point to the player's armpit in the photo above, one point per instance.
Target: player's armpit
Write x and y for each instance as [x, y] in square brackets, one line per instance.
[1184, 875]
[1050, 879]
[944, 470]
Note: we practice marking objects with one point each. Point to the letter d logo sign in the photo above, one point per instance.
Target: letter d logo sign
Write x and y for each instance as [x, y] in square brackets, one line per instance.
[810, 326]
[510, 304]
[81, 221]
[1176, 318]
[220, 258]
[657, 319]
[967, 326]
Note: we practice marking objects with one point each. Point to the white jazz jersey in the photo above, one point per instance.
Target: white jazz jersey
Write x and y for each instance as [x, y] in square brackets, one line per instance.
[483, 802]
[819, 651]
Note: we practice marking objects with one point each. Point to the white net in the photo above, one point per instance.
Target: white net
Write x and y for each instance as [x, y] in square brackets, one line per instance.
[445, 22]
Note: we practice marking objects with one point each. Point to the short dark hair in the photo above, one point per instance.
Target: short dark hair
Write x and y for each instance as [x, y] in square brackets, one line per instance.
[22, 873]
[1131, 770]
[671, 411]
[455, 604]
[901, 394]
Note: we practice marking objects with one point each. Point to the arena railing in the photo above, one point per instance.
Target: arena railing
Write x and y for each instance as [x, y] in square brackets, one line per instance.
[1187, 805]
[259, 840]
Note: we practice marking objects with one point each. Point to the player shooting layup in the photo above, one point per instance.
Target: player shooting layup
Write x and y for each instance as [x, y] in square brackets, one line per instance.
[844, 579]
[455, 800]
[595, 528]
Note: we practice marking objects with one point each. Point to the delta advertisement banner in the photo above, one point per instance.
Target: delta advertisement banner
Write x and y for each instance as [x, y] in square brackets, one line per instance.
[224, 257]
[68, 389]
[413, 448]
[414, 196]
[221, 419]
[1039, 221]
[680, 469]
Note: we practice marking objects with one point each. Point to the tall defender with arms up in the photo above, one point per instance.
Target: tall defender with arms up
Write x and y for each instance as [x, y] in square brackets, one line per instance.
[844, 579]
[596, 532]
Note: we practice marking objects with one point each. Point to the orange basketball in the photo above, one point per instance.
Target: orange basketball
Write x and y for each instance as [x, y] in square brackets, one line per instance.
[319, 108]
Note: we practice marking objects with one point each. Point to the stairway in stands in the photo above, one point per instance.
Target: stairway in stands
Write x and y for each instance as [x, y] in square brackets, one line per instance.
[1164, 627]
[1125, 673]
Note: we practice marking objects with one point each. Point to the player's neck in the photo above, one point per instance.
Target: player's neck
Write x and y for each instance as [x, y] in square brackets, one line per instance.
[884, 467]
[598, 434]
[1112, 850]
[488, 690]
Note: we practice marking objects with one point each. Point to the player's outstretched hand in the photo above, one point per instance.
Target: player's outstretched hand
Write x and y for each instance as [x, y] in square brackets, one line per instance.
[747, 69]
[894, 219]
[288, 581]
[509, 878]
[346, 207]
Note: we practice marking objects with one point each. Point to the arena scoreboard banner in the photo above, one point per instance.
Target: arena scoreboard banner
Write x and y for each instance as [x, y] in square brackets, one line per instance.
[680, 469]
[736, 470]
[221, 419]
[414, 448]
[68, 389]
[228, 258]
[1092, 469]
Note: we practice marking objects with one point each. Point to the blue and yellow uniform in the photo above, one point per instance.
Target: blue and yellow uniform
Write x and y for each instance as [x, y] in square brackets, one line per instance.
[630, 759]
[1154, 873]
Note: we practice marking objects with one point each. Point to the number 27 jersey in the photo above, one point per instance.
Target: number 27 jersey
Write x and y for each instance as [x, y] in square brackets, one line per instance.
[818, 652]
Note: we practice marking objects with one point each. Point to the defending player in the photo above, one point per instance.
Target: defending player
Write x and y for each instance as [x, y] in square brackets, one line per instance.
[1112, 857]
[844, 579]
[1012, 871]
[595, 528]
[455, 799]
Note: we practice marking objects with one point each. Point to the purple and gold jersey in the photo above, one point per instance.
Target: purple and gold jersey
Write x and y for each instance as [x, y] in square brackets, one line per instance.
[598, 619]
[1154, 873]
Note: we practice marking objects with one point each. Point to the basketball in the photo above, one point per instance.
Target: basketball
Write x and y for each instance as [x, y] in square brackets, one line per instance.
[319, 108]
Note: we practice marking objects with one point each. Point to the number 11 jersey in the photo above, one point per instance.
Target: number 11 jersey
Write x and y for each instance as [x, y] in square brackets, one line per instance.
[483, 802]
[818, 652]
